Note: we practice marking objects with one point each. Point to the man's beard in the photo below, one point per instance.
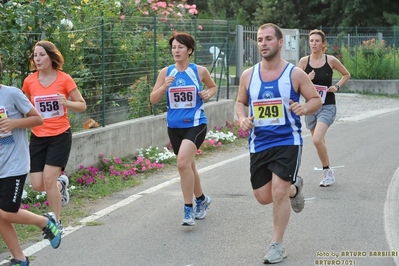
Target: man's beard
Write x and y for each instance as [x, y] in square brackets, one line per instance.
[271, 55]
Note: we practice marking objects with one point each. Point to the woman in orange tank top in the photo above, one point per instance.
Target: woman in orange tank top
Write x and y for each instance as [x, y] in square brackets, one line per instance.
[52, 92]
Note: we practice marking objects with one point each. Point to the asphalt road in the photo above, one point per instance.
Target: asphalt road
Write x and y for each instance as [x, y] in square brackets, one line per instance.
[346, 224]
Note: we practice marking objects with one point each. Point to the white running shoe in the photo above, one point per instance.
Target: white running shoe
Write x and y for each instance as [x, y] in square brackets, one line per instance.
[298, 202]
[189, 216]
[64, 180]
[328, 179]
[201, 207]
[60, 227]
[275, 254]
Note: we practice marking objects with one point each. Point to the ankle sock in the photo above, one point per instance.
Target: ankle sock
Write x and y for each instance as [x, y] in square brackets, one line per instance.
[202, 197]
[188, 205]
[326, 167]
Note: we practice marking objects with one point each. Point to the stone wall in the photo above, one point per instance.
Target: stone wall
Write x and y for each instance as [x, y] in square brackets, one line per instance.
[124, 138]
[381, 87]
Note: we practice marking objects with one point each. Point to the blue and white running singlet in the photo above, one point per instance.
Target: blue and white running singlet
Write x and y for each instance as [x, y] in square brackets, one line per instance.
[268, 103]
[185, 107]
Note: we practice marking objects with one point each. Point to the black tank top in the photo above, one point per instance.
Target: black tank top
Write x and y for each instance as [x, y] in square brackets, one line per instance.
[323, 76]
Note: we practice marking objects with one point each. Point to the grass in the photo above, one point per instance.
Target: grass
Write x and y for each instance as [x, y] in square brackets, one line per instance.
[85, 198]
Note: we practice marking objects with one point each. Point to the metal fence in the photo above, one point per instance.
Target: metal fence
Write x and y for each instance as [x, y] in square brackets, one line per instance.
[367, 52]
[115, 63]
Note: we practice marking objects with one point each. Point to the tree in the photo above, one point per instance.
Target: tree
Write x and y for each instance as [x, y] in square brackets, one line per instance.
[282, 13]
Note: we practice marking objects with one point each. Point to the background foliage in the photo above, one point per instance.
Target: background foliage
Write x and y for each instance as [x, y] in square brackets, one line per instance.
[115, 49]
[304, 14]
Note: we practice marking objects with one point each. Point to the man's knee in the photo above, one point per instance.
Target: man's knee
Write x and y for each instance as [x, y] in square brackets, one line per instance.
[263, 198]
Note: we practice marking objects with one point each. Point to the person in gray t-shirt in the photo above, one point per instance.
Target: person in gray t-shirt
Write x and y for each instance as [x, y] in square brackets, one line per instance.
[16, 115]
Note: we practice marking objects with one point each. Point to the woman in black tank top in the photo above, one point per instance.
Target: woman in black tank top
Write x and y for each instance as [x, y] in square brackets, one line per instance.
[319, 67]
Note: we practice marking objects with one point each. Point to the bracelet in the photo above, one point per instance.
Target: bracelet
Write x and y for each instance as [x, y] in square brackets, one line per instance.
[337, 86]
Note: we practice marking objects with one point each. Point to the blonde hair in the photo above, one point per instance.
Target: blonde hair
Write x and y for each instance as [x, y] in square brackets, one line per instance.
[323, 37]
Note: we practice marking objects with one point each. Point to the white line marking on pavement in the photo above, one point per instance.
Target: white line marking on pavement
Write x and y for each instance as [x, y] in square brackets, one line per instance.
[368, 114]
[69, 230]
[391, 214]
[332, 167]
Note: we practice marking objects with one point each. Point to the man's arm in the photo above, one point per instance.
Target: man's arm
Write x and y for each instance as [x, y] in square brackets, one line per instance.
[242, 101]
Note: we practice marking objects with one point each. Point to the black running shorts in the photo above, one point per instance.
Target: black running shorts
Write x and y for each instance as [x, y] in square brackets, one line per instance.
[195, 134]
[283, 161]
[11, 189]
[52, 151]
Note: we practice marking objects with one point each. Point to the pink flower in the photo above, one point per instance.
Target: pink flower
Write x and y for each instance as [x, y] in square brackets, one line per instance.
[162, 4]
[25, 206]
[122, 17]
[193, 11]
[143, 168]
[145, 13]
[138, 2]
[200, 27]
[46, 203]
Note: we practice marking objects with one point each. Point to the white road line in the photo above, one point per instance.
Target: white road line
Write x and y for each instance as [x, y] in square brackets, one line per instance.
[391, 215]
[332, 167]
[69, 230]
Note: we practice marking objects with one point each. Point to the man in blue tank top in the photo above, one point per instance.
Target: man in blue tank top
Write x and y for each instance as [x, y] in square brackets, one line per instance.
[270, 90]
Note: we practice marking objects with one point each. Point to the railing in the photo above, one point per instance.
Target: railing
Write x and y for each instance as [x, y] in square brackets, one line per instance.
[115, 63]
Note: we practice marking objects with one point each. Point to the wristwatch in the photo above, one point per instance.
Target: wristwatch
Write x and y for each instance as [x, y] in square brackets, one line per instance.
[337, 86]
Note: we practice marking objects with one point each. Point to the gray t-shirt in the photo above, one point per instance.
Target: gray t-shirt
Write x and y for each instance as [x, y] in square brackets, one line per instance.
[14, 149]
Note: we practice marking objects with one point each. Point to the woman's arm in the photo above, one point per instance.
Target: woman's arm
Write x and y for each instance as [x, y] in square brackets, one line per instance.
[161, 85]
[206, 78]
[336, 64]
[77, 103]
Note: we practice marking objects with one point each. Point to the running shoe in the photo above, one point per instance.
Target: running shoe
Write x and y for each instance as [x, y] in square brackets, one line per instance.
[201, 206]
[275, 254]
[328, 179]
[50, 231]
[64, 180]
[15, 262]
[189, 217]
[60, 227]
[298, 202]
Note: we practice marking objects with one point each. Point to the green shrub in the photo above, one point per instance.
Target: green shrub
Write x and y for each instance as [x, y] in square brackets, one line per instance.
[371, 60]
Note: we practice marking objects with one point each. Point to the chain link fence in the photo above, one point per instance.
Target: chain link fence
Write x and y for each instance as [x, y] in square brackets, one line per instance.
[115, 62]
[367, 52]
